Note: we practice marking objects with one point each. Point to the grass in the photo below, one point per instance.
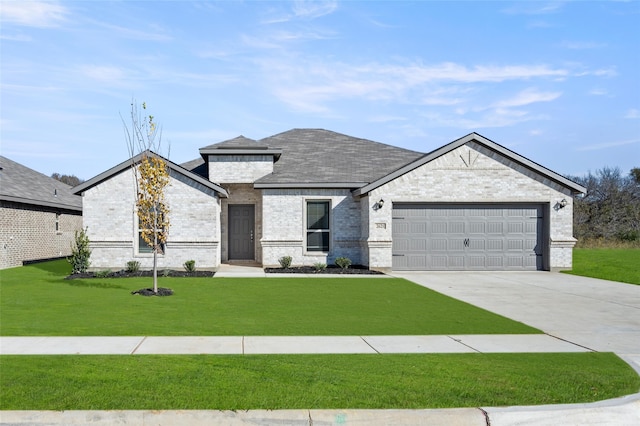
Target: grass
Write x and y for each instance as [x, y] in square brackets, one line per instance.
[310, 381]
[37, 301]
[615, 264]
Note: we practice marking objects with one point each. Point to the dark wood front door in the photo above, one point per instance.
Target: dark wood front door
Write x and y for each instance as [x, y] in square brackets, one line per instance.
[241, 232]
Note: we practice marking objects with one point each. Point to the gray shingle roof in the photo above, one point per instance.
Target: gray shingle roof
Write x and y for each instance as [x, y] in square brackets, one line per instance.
[21, 184]
[239, 142]
[322, 156]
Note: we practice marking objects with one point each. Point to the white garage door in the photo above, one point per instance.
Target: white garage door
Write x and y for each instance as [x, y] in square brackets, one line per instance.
[467, 237]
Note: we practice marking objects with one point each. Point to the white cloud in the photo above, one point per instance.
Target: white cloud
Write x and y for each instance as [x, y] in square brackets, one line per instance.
[607, 145]
[33, 13]
[312, 9]
[153, 34]
[105, 74]
[598, 92]
[632, 113]
[479, 73]
[302, 10]
[528, 96]
[16, 37]
[533, 8]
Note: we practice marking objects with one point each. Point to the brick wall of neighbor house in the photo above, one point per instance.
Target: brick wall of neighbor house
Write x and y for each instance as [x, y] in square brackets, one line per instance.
[239, 168]
[29, 233]
[111, 221]
[284, 230]
[241, 194]
[470, 174]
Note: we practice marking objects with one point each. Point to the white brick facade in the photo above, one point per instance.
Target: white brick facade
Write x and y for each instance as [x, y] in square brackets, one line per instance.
[239, 168]
[284, 229]
[470, 174]
[194, 234]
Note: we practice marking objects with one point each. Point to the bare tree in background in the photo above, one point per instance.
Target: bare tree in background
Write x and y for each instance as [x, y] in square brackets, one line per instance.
[610, 210]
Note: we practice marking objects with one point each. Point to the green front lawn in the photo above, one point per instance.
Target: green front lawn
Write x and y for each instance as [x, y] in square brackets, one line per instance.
[310, 381]
[607, 263]
[37, 301]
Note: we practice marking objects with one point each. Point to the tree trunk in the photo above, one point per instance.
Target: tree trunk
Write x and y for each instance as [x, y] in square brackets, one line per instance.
[155, 254]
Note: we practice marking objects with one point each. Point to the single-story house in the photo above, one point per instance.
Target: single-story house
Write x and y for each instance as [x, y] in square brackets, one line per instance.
[317, 195]
[38, 215]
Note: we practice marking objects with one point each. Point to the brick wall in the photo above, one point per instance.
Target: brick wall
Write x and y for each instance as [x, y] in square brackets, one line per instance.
[110, 217]
[29, 233]
[284, 231]
[470, 174]
[239, 168]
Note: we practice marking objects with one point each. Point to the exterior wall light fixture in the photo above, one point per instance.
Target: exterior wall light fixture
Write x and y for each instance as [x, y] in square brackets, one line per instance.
[378, 205]
[561, 204]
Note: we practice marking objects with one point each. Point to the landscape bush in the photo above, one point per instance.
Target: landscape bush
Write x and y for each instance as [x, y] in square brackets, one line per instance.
[80, 253]
[133, 266]
[343, 262]
[285, 261]
[319, 266]
[190, 266]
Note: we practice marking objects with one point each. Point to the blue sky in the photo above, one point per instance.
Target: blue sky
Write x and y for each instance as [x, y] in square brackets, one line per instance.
[557, 82]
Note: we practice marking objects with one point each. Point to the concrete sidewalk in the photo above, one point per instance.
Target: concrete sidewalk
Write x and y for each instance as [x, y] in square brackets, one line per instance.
[623, 411]
[247, 345]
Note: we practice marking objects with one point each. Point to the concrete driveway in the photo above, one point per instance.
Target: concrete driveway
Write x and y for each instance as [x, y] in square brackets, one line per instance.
[600, 315]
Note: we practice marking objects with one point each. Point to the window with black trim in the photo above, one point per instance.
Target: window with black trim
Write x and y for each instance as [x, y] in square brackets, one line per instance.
[318, 226]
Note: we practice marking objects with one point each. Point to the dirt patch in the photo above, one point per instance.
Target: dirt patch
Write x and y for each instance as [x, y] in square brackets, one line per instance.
[352, 270]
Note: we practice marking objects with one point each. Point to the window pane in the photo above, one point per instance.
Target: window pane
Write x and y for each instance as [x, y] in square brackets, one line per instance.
[143, 247]
[317, 215]
[318, 241]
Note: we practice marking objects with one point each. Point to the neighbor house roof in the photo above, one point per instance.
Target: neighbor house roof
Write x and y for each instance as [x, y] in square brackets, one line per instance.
[481, 140]
[127, 164]
[21, 184]
[326, 159]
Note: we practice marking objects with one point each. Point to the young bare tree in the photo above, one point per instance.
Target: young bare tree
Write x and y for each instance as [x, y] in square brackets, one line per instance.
[151, 176]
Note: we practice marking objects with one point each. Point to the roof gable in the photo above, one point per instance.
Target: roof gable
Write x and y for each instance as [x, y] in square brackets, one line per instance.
[481, 140]
[21, 184]
[125, 165]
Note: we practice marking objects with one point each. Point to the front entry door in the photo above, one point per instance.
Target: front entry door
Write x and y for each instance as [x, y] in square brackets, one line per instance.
[241, 232]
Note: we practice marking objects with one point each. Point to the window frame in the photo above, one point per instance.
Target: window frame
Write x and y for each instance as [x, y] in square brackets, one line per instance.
[138, 242]
[307, 230]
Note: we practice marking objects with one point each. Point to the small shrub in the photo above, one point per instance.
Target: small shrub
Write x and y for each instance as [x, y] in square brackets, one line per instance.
[166, 272]
[343, 262]
[103, 273]
[285, 261]
[319, 266]
[80, 254]
[190, 266]
[133, 266]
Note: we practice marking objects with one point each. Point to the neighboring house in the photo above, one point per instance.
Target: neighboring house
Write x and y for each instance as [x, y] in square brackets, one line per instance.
[38, 215]
[316, 195]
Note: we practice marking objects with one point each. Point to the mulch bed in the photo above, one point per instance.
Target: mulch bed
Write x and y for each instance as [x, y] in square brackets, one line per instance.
[125, 274]
[351, 270]
[149, 292]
